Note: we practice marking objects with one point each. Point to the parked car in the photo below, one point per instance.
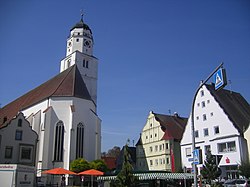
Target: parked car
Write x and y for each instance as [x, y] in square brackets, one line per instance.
[243, 183]
[230, 183]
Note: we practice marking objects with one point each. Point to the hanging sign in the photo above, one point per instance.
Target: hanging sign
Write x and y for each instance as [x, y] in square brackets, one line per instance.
[220, 79]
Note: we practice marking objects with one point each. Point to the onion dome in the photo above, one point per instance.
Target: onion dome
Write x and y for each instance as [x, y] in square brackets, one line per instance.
[81, 24]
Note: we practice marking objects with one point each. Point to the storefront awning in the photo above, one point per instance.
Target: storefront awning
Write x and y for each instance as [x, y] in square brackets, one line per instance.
[153, 176]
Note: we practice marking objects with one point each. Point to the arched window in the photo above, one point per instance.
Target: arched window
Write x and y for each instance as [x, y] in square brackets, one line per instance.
[59, 138]
[79, 140]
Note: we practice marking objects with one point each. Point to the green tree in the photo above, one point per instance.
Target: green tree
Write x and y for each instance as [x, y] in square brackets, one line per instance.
[79, 165]
[99, 165]
[125, 177]
[244, 169]
[210, 170]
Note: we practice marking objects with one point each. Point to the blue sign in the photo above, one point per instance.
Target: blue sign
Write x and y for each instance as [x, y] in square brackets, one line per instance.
[196, 156]
[220, 79]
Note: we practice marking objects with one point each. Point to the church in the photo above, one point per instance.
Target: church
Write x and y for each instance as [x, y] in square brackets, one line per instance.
[63, 110]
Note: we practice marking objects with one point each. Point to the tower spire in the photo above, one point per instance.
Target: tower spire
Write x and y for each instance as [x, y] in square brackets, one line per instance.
[82, 14]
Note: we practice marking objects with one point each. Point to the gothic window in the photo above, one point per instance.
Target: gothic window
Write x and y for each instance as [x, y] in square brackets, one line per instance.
[59, 139]
[79, 140]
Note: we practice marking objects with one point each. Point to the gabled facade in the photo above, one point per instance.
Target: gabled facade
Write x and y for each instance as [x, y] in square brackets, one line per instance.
[18, 142]
[159, 145]
[220, 120]
[63, 110]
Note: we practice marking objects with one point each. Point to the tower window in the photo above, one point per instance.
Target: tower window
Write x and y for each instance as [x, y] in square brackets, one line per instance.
[59, 139]
[85, 63]
[77, 40]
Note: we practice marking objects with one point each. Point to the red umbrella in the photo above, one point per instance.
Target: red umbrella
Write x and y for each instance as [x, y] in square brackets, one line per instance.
[59, 171]
[92, 172]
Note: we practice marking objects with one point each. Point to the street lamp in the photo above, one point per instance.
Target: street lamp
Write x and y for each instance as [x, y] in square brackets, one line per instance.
[220, 84]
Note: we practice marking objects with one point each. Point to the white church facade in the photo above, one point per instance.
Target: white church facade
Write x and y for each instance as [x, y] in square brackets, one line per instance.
[63, 110]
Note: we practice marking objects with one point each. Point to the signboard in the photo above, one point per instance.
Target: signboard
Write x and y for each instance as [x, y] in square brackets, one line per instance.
[220, 79]
[196, 156]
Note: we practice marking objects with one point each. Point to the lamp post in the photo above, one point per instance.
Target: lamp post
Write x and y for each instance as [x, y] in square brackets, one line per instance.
[192, 119]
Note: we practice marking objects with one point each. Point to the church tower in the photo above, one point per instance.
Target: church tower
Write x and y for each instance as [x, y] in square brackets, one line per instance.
[79, 51]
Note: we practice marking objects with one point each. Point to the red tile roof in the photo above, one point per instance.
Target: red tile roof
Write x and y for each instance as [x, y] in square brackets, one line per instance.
[173, 126]
[67, 83]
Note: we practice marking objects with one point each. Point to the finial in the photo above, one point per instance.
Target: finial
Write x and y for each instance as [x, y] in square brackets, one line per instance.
[82, 14]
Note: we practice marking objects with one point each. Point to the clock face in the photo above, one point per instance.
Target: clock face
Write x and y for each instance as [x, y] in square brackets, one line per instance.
[87, 43]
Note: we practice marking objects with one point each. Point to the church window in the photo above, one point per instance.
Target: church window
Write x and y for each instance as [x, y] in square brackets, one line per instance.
[59, 139]
[19, 135]
[19, 124]
[79, 140]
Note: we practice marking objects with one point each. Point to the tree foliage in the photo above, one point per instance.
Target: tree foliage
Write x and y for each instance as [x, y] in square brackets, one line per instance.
[210, 170]
[99, 165]
[125, 177]
[79, 165]
[244, 169]
[114, 152]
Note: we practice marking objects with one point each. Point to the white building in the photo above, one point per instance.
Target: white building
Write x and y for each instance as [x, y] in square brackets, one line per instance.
[63, 110]
[220, 120]
[159, 145]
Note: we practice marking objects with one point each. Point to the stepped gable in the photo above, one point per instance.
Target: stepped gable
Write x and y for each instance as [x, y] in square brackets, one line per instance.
[234, 105]
[67, 83]
[173, 126]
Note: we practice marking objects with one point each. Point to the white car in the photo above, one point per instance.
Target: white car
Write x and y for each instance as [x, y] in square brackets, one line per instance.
[242, 183]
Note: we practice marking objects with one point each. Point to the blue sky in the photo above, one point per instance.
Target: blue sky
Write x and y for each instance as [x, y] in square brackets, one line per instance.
[152, 54]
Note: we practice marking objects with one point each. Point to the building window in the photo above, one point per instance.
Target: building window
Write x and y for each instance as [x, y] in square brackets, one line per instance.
[151, 162]
[216, 130]
[77, 40]
[206, 132]
[198, 104]
[167, 160]
[188, 152]
[226, 147]
[202, 93]
[150, 149]
[204, 117]
[207, 149]
[146, 137]
[156, 148]
[208, 101]
[26, 153]
[155, 135]
[166, 145]
[160, 147]
[19, 135]
[156, 162]
[8, 152]
[196, 134]
[197, 117]
[59, 139]
[19, 123]
[203, 104]
[211, 114]
[79, 140]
